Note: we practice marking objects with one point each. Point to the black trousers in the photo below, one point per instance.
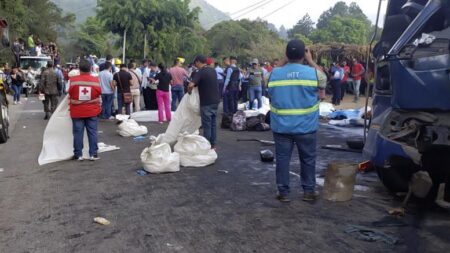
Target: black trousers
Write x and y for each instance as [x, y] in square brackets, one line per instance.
[336, 85]
[50, 103]
[150, 99]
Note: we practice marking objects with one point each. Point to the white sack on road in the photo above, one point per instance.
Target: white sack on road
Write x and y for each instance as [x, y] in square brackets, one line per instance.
[195, 151]
[326, 109]
[251, 113]
[158, 158]
[147, 116]
[57, 144]
[130, 128]
[186, 119]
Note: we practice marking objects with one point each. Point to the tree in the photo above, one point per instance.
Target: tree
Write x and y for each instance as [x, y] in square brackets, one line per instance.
[304, 27]
[245, 39]
[92, 37]
[171, 28]
[346, 30]
[339, 9]
[344, 24]
[283, 33]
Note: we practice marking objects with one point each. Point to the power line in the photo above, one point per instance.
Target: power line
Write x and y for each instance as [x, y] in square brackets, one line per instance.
[254, 9]
[248, 7]
[273, 12]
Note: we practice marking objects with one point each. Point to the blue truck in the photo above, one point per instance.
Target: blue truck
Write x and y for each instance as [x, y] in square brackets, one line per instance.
[410, 126]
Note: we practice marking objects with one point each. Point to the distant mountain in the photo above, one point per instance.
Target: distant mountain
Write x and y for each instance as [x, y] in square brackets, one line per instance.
[83, 9]
[209, 15]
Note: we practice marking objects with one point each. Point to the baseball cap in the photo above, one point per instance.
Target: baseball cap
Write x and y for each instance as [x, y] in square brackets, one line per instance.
[209, 61]
[255, 61]
[295, 50]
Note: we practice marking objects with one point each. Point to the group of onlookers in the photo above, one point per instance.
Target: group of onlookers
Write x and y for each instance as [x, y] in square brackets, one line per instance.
[341, 76]
[33, 46]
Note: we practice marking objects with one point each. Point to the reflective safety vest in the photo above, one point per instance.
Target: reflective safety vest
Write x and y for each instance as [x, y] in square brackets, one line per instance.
[294, 101]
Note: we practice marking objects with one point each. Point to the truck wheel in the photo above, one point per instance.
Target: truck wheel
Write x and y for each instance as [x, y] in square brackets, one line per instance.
[4, 122]
[392, 179]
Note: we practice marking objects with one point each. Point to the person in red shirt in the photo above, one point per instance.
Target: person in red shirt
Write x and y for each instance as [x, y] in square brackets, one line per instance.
[344, 83]
[85, 106]
[357, 72]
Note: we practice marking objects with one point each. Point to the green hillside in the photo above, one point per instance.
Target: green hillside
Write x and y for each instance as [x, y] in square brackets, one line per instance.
[85, 8]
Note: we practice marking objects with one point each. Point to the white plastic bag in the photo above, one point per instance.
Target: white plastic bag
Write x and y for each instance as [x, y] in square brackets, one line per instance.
[131, 128]
[186, 119]
[158, 158]
[326, 108]
[195, 151]
[57, 143]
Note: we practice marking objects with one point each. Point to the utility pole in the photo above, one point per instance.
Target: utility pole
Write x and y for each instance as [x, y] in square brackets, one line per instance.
[124, 45]
[145, 45]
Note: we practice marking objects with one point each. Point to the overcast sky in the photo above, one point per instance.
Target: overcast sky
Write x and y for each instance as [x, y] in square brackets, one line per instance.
[293, 11]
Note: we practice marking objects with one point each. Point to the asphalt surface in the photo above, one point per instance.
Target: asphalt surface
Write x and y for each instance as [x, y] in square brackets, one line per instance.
[51, 208]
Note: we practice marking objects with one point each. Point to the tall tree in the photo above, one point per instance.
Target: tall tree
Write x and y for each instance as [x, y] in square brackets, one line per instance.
[346, 30]
[283, 32]
[171, 28]
[339, 9]
[245, 39]
[342, 23]
[304, 27]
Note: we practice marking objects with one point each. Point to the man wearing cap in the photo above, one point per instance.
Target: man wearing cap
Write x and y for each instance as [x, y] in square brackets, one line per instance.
[255, 76]
[294, 116]
[231, 87]
[208, 88]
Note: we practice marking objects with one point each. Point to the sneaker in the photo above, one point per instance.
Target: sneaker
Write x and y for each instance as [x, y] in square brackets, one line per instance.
[112, 118]
[94, 158]
[283, 198]
[15, 102]
[310, 196]
[77, 158]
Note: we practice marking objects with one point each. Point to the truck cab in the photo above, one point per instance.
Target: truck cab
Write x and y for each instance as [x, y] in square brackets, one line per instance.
[410, 127]
[37, 63]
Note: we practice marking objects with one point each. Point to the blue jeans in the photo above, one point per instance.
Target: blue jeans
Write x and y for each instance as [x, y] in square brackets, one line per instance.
[356, 86]
[17, 92]
[120, 105]
[208, 114]
[78, 134]
[255, 92]
[306, 146]
[107, 102]
[177, 95]
[230, 101]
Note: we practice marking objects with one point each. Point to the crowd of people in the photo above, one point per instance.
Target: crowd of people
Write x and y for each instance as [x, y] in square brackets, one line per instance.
[33, 46]
[295, 86]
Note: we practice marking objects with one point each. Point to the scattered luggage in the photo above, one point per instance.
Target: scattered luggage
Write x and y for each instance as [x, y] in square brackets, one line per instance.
[239, 121]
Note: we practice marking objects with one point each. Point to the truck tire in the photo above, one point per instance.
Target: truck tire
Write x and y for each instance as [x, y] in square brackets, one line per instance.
[392, 179]
[4, 121]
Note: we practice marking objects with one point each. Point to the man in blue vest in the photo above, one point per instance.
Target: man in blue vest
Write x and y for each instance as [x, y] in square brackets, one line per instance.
[294, 92]
[231, 87]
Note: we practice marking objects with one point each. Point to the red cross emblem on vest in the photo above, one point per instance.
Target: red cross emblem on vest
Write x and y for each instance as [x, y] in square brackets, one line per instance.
[84, 93]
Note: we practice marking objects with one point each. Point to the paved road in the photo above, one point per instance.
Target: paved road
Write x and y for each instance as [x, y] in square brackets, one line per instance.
[51, 208]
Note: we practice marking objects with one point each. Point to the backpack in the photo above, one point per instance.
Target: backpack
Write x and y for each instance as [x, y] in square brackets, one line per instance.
[252, 122]
[226, 120]
[262, 127]
[239, 121]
